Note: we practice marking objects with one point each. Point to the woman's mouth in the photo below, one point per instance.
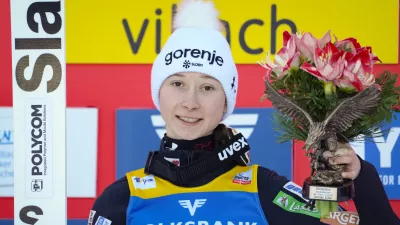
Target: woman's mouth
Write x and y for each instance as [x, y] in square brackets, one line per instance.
[188, 119]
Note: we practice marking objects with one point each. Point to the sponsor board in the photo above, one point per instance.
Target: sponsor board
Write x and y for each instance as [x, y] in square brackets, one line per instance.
[382, 152]
[6, 153]
[139, 29]
[39, 105]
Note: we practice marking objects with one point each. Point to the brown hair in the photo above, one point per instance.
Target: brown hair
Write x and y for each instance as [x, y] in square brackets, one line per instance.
[221, 135]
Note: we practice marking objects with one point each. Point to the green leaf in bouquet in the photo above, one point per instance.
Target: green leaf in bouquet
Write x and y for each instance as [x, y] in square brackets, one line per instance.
[288, 128]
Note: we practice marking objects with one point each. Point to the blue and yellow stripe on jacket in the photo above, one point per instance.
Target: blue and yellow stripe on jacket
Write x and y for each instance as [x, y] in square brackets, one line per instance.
[231, 198]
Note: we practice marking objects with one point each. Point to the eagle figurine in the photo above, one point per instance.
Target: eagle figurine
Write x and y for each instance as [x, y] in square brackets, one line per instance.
[324, 135]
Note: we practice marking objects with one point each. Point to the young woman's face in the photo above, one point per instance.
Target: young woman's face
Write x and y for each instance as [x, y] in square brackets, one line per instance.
[191, 104]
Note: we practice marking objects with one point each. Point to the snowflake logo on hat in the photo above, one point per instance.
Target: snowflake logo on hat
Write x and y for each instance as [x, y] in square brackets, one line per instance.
[186, 64]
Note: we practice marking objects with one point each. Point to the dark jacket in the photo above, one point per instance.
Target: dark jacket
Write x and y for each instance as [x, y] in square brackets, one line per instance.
[371, 200]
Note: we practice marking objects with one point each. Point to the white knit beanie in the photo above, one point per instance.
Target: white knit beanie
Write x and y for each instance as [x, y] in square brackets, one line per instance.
[196, 45]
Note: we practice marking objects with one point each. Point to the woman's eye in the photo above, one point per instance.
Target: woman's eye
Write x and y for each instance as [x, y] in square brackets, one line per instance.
[177, 84]
[208, 88]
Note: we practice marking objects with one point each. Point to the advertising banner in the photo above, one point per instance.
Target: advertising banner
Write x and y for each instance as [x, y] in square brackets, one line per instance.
[39, 105]
[134, 31]
[384, 153]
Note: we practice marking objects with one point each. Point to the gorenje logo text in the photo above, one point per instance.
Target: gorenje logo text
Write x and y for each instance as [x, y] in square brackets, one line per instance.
[235, 146]
[194, 53]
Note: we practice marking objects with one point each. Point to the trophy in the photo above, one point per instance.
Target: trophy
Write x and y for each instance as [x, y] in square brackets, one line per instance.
[326, 95]
[326, 182]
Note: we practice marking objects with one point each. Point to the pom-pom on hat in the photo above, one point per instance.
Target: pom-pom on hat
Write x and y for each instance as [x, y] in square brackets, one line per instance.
[197, 45]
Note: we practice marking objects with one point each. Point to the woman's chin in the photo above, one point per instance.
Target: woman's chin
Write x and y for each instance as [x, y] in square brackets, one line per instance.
[191, 134]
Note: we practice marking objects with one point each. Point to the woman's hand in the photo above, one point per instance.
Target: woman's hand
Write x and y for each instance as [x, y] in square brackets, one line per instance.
[346, 156]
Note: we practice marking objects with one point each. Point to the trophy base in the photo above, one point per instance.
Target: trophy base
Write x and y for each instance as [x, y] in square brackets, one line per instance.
[336, 193]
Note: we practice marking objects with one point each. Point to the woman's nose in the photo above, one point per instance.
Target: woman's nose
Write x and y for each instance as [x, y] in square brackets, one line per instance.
[190, 101]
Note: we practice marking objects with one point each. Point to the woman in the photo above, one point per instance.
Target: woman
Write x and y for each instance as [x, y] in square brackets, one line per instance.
[200, 175]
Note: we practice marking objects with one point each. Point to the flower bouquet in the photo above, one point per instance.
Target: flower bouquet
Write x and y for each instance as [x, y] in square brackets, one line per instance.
[326, 94]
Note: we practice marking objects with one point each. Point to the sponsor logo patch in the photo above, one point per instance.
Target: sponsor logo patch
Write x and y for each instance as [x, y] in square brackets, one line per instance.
[342, 218]
[103, 221]
[234, 147]
[295, 189]
[192, 207]
[146, 182]
[290, 204]
[203, 55]
[243, 177]
[91, 216]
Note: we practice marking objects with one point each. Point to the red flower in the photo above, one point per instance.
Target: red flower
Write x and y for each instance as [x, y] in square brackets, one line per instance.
[358, 71]
[287, 57]
[351, 45]
[329, 63]
[348, 45]
[307, 44]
